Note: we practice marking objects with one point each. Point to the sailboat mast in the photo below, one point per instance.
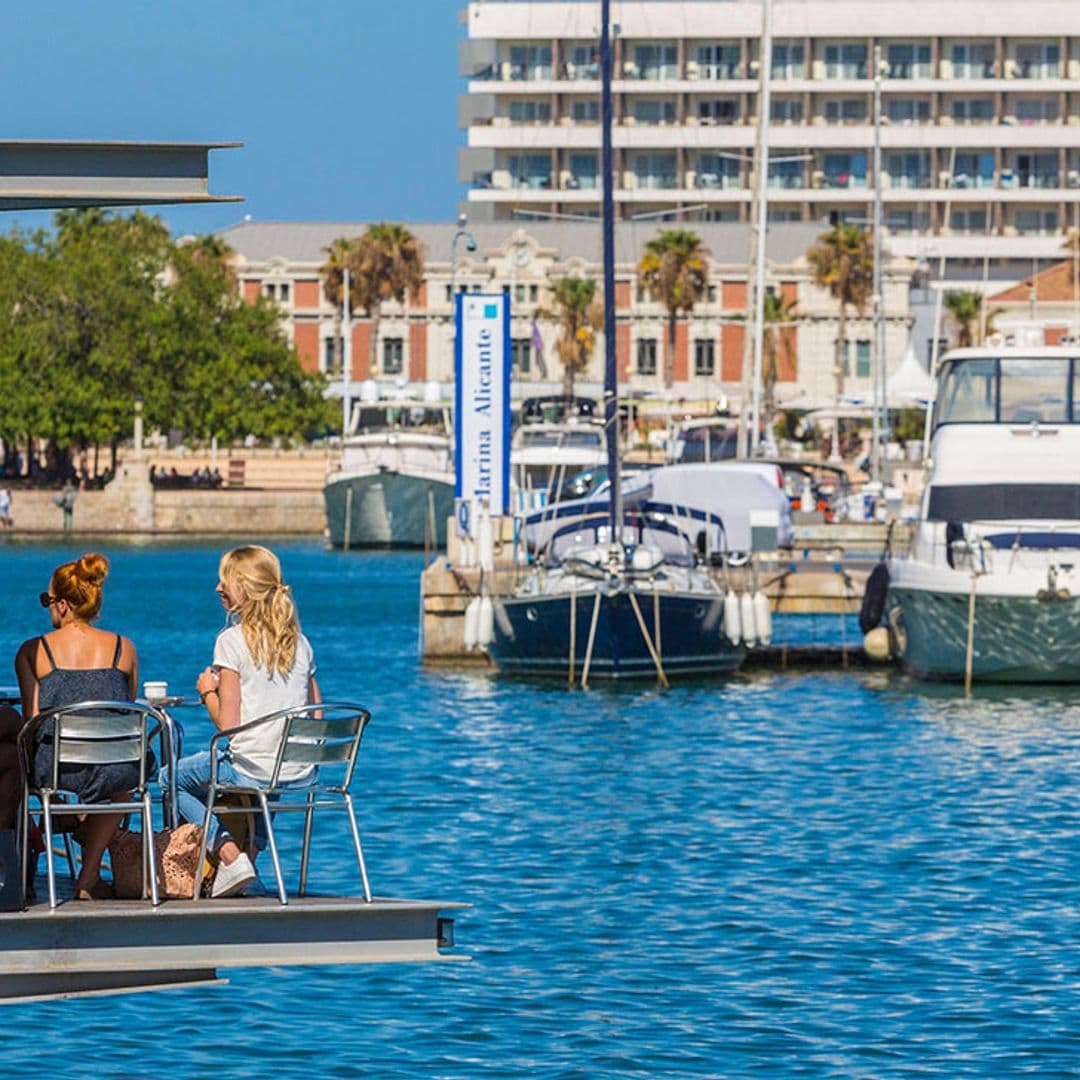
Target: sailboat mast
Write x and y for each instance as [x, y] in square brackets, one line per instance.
[611, 374]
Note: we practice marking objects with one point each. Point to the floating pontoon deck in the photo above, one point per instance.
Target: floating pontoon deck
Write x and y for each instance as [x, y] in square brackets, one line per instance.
[115, 946]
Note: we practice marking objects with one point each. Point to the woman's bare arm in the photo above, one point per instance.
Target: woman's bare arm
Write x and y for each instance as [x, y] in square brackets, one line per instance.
[219, 690]
[27, 676]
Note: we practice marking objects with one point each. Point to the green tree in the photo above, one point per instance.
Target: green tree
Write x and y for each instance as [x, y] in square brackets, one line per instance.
[780, 315]
[578, 314]
[972, 322]
[385, 263]
[338, 254]
[673, 271]
[842, 262]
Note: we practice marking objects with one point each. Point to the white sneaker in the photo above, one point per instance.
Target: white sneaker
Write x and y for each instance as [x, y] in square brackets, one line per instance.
[234, 878]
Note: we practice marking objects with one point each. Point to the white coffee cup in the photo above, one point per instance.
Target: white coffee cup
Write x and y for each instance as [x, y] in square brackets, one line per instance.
[155, 691]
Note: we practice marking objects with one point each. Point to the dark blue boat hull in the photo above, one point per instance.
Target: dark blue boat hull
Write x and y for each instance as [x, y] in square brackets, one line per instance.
[532, 636]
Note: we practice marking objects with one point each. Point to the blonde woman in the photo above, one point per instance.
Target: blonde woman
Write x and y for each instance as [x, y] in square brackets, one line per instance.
[262, 664]
[78, 662]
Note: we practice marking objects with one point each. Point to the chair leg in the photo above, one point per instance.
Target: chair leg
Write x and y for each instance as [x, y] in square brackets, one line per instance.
[202, 846]
[356, 844]
[148, 847]
[46, 817]
[70, 856]
[24, 839]
[308, 815]
[283, 896]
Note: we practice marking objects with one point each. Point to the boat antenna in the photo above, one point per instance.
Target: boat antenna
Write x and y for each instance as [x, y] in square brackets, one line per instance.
[611, 374]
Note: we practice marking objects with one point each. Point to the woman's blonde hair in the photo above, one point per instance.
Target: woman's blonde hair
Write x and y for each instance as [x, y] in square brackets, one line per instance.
[79, 583]
[264, 605]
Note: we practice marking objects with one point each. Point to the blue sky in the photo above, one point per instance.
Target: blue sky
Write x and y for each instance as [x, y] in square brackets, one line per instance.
[347, 108]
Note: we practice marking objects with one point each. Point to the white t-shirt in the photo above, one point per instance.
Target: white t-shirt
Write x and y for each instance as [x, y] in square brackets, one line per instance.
[262, 693]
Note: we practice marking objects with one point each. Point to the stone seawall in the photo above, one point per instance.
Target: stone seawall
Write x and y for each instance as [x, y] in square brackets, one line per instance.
[140, 509]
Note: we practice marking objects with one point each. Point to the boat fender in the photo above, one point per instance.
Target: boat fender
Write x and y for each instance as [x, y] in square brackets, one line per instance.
[873, 601]
[732, 623]
[472, 623]
[762, 617]
[877, 644]
[746, 618]
[485, 623]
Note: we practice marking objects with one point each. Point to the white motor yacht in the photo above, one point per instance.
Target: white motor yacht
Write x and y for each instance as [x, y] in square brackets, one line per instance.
[394, 488]
[995, 559]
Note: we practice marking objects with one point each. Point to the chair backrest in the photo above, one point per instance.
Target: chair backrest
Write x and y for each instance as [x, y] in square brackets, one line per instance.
[324, 734]
[101, 733]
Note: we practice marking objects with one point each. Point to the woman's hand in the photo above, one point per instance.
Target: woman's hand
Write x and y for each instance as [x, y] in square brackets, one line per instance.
[209, 681]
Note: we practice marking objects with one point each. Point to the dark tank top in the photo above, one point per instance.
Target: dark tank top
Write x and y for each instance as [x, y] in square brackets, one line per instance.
[68, 686]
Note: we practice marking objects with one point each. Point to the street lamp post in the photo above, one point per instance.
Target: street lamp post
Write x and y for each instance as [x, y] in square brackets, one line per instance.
[346, 354]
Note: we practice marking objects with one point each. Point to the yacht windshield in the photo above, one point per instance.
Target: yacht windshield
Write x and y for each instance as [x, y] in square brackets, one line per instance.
[1009, 390]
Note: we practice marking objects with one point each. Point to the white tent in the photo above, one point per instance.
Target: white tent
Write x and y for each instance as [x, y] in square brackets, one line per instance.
[910, 384]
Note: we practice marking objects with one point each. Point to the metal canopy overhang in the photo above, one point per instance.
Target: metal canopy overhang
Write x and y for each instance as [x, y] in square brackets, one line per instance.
[37, 174]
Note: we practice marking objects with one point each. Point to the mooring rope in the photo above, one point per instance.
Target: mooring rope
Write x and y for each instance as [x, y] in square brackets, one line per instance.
[969, 658]
[573, 631]
[648, 640]
[589, 643]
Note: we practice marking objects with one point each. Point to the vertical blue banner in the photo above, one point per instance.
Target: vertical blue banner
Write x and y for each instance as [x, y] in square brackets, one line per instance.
[481, 406]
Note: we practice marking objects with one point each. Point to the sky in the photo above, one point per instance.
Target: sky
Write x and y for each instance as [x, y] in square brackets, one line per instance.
[347, 108]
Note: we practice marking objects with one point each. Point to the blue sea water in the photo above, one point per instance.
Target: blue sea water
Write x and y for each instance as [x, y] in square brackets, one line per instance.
[812, 875]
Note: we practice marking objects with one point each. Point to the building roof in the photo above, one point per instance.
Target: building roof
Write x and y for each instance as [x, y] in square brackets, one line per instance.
[1056, 282]
[727, 243]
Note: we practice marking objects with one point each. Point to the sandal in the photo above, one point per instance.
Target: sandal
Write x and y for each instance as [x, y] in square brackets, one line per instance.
[100, 890]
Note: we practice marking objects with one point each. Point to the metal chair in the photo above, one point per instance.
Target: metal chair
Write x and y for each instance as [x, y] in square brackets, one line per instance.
[92, 733]
[324, 735]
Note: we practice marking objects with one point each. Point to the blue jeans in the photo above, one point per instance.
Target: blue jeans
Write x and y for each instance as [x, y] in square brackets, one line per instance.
[193, 786]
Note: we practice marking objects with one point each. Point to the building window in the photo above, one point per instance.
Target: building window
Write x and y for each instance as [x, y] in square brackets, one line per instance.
[519, 293]
[646, 356]
[283, 292]
[718, 111]
[845, 170]
[968, 220]
[862, 359]
[973, 110]
[393, 353]
[786, 110]
[583, 172]
[521, 355]
[717, 171]
[846, 111]
[784, 213]
[584, 62]
[333, 355]
[845, 61]
[787, 60]
[654, 111]
[1036, 170]
[449, 293]
[909, 169]
[1037, 110]
[534, 294]
[908, 111]
[787, 172]
[1037, 60]
[1038, 220]
[972, 60]
[718, 61]
[585, 112]
[530, 170]
[909, 61]
[655, 171]
[530, 112]
[654, 62]
[704, 356]
[715, 213]
[975, 170]
[530, 62]
[905, 219]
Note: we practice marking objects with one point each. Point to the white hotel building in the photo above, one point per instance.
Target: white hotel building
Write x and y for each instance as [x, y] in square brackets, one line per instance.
[981, 116]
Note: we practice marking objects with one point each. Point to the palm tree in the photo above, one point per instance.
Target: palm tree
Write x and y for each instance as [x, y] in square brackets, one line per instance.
[779, 315]
[387, 264]
[965, 308]
[843, 263]
[578, 314]
[673, 271]
[333, 283]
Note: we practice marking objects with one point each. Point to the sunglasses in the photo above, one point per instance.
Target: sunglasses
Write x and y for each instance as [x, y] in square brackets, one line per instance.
[46, 600]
